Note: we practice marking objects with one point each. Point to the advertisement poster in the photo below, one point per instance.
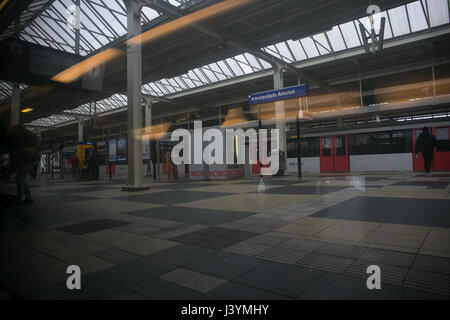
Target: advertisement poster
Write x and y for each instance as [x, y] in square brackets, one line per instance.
[146, 148]
[122, 149]
[112, 154]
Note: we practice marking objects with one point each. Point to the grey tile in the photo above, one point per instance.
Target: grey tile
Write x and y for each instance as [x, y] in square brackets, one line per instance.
[115, 256]
[225, 265]
[342, 287]
[287, 280]
[431, 263]
[325, 262]
[389, 274]
[173, 197]
[304, 190]
[381, 256]
[193, 280]
[125, 294]
[247, 248]
[413, 294]
[92, 226]
[428, 281]
[302, 244]
[284, 255]
[342, 250]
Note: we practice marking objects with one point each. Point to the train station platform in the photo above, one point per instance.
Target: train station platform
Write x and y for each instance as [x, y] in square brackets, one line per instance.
[291, 239]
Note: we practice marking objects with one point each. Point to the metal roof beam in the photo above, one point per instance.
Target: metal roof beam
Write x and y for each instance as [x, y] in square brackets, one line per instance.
[175, 12]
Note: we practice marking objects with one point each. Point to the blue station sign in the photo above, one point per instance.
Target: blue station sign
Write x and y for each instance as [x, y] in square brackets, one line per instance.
[276, 95]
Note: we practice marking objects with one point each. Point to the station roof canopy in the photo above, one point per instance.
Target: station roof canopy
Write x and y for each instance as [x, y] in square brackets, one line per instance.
[238, 44]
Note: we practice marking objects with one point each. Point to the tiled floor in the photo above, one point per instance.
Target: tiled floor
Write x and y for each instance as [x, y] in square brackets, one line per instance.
[309, 239]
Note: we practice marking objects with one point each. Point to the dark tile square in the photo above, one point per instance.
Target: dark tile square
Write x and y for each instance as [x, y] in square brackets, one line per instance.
[225, 265]
[413, 294]
[238, 235]
[271, 182]
[282, 279]
[421, 212]
[190, 238]
[234, 291]
[191, 215]
[180, 185]
[92, 226]
[182, 255]
[217, 243]
[160, 289]
[94, 286]
[61, 198]
[172, 197]
[136, 271]
[342, 287]
[430, 184]
[303, 190]
[86, 190]
[213, 231]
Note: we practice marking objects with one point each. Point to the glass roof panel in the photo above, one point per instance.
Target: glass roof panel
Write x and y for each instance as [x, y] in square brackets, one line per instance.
[350, 34]
[310, 47]
[336, 39]
[322, 43]
[438, 14]
[297, 50]
[416, 16]
[399, 21]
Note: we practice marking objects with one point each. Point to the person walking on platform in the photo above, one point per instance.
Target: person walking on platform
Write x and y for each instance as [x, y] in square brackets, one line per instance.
[425, 143]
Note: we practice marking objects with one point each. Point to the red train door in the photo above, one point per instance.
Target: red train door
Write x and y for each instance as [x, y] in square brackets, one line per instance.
[441, 158]
[334, 154]
[442, 152]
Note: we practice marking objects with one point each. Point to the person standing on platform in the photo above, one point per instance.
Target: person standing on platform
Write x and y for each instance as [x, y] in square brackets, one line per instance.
[425, 143]
[24, 147]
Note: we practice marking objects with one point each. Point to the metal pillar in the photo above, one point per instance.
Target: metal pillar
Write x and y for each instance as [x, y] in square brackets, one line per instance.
[80, 130]
[134, 112]
[280, 117]
[15, 104]
[148, 131]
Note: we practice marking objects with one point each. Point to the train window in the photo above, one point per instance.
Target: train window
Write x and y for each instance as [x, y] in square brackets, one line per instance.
[340, 146]
[309, 147]
[326, 146]
[380, 143]
[443, 139]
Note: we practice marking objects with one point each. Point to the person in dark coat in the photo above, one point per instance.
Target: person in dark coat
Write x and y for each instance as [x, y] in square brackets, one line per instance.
[425, 143]
[23, 147]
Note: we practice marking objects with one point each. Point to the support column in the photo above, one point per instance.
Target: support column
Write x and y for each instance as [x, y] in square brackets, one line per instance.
[280, 117]
[147, 132]
[15, 104]
[80, 130]
[134, 112]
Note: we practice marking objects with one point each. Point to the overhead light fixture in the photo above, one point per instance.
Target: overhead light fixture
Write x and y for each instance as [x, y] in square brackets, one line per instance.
[26, 110]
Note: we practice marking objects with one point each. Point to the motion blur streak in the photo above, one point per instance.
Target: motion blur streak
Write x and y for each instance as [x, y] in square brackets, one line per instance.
[185, 21]
[78, 70]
